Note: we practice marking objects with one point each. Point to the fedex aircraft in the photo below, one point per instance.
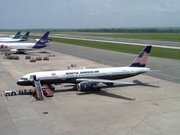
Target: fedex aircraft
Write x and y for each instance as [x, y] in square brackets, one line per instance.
[16, 36]
[23, 47]
[15, 39]
[87, 79]
[25, 37]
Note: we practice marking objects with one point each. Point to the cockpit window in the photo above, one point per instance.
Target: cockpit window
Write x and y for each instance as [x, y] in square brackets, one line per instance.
[24, 79]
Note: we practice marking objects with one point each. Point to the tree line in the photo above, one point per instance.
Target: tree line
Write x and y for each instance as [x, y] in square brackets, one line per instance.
[104, 30]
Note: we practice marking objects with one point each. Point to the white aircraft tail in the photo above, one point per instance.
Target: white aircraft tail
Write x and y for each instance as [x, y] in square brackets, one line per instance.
[141, 59]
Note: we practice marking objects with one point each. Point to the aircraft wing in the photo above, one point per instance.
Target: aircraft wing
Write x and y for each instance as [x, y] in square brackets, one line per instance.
[104, 81]
[19, 50]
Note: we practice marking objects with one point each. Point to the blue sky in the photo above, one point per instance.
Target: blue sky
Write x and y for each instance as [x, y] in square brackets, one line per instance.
[22, 14]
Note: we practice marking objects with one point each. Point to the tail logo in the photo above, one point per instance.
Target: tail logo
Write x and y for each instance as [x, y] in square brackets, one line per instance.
[42, 41]
[142, 59]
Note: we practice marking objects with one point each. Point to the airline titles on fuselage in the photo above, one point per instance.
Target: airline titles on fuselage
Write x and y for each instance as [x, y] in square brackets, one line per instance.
[81, 73]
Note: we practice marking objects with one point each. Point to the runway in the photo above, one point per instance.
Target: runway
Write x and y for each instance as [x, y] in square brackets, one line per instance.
[140, 42]
[169, 69]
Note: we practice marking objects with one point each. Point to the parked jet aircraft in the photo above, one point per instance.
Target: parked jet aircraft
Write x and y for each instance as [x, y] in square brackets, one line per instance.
[87, 79]
[23, 38]
[9, 39]
[23, 47]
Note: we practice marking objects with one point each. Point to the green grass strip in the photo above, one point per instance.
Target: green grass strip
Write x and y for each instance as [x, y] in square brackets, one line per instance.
[156, 51]
[174, 37]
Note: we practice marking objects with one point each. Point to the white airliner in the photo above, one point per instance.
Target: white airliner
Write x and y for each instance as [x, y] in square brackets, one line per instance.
[23, 47]
[16, 38]
[87, 79]
[6, 39]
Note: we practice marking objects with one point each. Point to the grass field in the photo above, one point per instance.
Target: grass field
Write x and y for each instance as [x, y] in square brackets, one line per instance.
[157, 52]
[175, 37]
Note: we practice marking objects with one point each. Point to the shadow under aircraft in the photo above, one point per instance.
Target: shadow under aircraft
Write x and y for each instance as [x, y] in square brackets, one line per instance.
[103, 92]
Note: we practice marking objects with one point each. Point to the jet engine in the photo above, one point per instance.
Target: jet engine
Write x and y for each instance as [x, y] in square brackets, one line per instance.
[83, 86]
[17, 51]
[14, 51]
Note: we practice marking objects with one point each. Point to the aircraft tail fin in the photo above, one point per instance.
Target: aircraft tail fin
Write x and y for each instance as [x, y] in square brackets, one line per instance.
[141, 59]
[25, 36]
[42, 41]
[18, 35]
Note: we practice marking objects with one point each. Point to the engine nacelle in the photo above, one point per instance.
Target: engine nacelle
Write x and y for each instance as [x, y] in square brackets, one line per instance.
[13, 50]
[17, 51]
[83, 86]
[36, 40]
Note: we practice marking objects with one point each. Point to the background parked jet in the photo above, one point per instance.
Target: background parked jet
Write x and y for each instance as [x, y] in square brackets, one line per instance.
[23, 47]
[87, 79]
[6, 39]
[23, 38]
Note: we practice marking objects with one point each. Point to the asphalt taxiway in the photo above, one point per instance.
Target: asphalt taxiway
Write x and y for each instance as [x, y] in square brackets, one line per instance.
[168, 68]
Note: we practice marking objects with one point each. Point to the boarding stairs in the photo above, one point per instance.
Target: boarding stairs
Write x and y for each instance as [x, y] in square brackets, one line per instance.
[38, 88]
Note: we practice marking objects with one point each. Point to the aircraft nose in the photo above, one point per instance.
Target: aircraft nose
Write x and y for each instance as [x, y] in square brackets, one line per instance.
[19, 82]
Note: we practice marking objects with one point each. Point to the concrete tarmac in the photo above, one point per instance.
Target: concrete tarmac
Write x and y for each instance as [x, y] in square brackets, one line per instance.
[112, 111]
